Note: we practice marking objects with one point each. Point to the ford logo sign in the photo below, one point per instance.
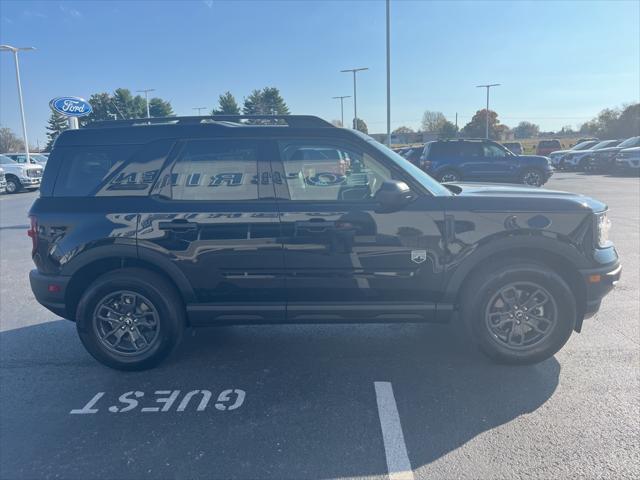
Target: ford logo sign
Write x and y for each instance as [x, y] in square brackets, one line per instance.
[71, 106]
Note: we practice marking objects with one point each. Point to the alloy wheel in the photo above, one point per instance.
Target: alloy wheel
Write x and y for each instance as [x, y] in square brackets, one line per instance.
[521, 315]
[532, 178]
[126, 323]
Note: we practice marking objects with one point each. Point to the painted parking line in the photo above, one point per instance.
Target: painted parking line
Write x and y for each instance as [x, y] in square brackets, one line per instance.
[394, 447]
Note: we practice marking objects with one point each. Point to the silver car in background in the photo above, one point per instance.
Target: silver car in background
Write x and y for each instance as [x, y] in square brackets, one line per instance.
[556, 156]
[3, 182]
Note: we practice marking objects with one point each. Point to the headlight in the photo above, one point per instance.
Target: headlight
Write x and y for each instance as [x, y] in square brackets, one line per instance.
[603, 226]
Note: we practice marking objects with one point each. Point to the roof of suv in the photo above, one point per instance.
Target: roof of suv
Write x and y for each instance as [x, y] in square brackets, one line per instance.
[143, 130]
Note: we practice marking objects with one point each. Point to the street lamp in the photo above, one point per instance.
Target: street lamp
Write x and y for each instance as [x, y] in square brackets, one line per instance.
[146, 97]
[199, 109]
[487, 111]
[342, 106]
[15, 50]
[355, 97]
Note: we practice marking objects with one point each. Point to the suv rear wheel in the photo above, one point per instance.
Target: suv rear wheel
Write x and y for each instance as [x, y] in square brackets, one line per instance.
[130, 319]
[518, 312]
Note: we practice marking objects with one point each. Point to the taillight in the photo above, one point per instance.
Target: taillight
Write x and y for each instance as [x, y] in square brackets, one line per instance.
[33, 233]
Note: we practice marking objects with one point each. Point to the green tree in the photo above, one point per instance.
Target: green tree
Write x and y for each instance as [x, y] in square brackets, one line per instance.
[614, 123]
[526, 130]
[129, 106]
[227, 105]
[476, 127]
[160, 108]
[448, 130]
[56, 125]
[9, 142]
[103, 108]
[362, 126]
[402, 129]
[432, 121]
[267, 101]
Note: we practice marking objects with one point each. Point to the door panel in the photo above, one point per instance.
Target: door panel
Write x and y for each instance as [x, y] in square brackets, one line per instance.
[343, 259]
[216, 218]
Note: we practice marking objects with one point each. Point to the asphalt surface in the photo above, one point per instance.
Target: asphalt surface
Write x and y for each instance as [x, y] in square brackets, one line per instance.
[300, 402]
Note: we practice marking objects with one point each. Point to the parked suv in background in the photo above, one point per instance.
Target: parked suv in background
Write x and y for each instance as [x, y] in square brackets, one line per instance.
[603, 160]
[144, 227]
[556, 156]
[20, 176]
[545, 147]
[628, 160]
[579, 160]
[482, 160]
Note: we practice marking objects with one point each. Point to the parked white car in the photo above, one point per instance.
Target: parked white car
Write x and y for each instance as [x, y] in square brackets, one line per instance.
[20, 175]
[558, 154]
[3, 182]
[578, 160]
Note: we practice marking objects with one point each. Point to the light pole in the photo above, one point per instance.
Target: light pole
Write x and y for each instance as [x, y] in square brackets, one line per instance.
[355, 96]
[388, 80]
[199, 109]
[146, 97]
[15, 50]
[342, 106]
[486, 134]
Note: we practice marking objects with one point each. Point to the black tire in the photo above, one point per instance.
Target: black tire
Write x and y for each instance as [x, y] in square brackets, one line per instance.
[448, 176]
[483, 288]
[149, 289]
[532, 177]
[584, 165]
[13, 184]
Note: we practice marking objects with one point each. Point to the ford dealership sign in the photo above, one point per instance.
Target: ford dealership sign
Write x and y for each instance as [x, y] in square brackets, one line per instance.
[71, 106]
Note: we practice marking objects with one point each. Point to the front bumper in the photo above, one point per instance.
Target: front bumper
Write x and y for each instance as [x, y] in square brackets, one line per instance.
[599, 282]
[50, 292]
[29, 182]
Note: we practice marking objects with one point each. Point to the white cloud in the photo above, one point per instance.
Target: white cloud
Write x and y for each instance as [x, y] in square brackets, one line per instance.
[72, 12]
[208, 3]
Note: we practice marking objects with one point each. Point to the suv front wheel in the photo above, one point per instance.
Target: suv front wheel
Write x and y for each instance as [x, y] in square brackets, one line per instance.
[519, 312]
[130, 319]
[532, 177]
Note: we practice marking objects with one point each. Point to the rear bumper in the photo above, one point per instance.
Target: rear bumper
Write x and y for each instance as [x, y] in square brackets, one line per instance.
[50, 292]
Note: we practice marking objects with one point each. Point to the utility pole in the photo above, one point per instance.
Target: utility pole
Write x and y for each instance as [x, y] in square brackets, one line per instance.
[355, 95]
[146, 97]
[342, 97]
[487, 111]
[388, 80]
[199, 109]
[15, 50]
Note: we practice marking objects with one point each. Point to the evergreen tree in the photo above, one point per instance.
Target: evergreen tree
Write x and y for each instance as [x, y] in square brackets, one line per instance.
[267, 101]
[56, 125]
[159, 108]
[227, 105]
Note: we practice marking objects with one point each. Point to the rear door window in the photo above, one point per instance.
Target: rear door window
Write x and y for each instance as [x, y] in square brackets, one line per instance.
[217, 170]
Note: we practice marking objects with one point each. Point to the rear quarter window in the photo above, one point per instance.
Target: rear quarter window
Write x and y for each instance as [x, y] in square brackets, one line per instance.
[113, 170]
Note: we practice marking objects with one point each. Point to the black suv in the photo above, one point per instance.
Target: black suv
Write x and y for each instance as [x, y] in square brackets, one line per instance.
[483, 160]
[145, 227]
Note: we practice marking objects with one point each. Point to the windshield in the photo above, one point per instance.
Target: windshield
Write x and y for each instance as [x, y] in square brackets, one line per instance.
[425, 180]
[630, 142]
[606, 143]
[584, 145]
[4, 160]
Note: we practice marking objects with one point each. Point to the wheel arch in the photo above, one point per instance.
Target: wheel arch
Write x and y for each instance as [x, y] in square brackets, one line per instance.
[559, 264]
[89, 271]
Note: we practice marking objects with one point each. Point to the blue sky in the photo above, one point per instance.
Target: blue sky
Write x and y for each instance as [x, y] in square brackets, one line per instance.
[559, 63]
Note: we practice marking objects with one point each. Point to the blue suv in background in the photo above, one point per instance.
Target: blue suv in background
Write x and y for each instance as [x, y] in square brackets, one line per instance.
[482, 160]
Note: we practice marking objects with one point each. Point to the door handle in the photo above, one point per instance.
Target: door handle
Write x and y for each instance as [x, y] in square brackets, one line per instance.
[179, 225]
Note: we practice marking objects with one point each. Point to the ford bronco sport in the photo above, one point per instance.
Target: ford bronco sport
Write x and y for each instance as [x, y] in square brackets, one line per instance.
[145, 227]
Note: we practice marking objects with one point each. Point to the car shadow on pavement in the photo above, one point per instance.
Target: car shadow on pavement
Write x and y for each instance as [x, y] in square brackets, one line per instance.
[310, 408]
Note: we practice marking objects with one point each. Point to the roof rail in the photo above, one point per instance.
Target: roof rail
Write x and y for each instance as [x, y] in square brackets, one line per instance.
[294, 121]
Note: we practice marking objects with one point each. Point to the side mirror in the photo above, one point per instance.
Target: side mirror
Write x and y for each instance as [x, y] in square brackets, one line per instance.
[392, 196]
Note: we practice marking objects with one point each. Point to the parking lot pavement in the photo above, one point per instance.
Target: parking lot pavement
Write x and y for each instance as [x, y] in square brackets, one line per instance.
[302, 401]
